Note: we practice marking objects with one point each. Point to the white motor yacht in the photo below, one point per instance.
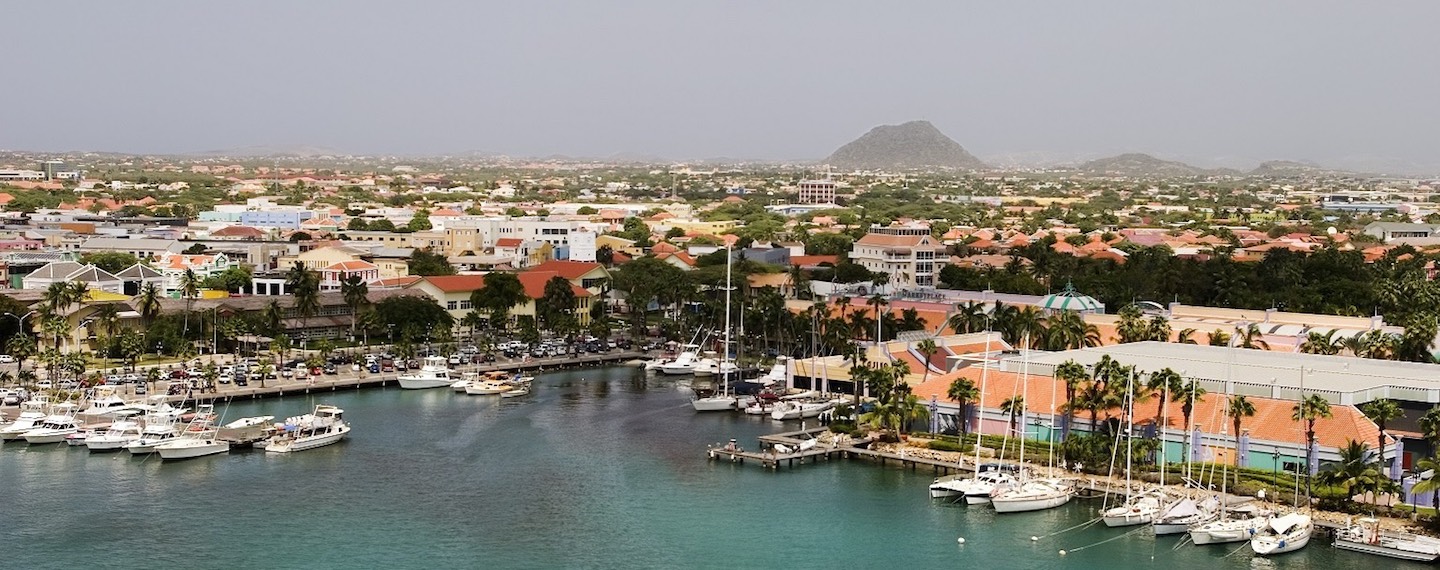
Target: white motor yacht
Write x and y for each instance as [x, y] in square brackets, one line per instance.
[684, 363]
[1182, 515]
[26, 421]
[1366, 536]
[1137, 510]
[196, 440]
[106, 403]
[434, 373]
[319, 428]
[161, 423]
[794, 410]
[716, 403]
[465, 379]
[1032, 495]
[125, 429]
[1285, 533]
[54, 428]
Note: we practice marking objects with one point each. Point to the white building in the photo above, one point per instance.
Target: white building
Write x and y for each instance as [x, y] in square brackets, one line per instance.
[911, 256]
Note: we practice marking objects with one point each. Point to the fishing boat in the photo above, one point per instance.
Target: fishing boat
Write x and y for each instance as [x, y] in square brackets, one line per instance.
[125, 429]
[324, 426]
[32, 412]
[54, 428]
[161, 423]
[106, 403]
[1366, 536]
[1285, 533]
[196, 440]
[683, 364]
[434, 373]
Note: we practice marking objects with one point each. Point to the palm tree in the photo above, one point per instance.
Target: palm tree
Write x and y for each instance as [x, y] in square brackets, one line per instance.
[1186, 336]
[307, 299]
[1431, 485]
[968, 318]
[1312, 408]
[1355, 473]
[1072, 374]
[963, 391]
[1355, 345]
[1164, 383]
[911, 410]
[876, 303]
[1430, 426]
[1190, 394]
[927, 348]
[1251, 337]
[148, 303]
[189, 289]
[356, 294]
[1012, 407]
[1158, 329]
[1316, 343]
[1131, 327]
[21, 346]
[1217, 338]
[1239, 409]
[1068, 330]
[273, 318]
[1381, 412]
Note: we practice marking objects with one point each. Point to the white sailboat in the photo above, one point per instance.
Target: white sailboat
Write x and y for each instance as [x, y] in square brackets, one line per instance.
[1031, 494]
[1138, 508]
[434, 373]
[1366, 536]
[724, 399]
[1181, 515]
[1285, 533]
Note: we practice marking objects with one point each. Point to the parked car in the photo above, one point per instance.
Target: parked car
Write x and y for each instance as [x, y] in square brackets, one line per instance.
[7, 359]
[330, 369]
[225, 378]
[374, 367]
[141, 389]
[287, 373]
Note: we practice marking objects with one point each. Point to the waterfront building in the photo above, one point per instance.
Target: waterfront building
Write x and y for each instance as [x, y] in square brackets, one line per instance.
[910, 256]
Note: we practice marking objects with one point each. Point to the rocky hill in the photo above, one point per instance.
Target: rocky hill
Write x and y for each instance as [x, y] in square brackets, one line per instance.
[1292, 168]
[916, 144]
[1137, 164]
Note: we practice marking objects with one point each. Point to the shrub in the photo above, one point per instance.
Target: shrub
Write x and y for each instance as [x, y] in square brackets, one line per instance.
[846, 428]
[941, 445]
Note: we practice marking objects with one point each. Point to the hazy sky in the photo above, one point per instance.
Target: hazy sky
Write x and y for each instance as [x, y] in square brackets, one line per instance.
[1209, 81]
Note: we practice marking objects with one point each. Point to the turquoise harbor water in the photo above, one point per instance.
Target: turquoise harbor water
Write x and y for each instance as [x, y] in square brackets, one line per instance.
[596, 469]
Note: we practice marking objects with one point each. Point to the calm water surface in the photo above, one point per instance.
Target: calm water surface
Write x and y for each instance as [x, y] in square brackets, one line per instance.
[596, 469]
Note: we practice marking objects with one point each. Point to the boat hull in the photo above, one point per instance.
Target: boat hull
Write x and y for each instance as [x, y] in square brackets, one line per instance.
[307, 443]
[47, 436]
[102, 443]
[714, 404]
[1381, 550]
[1026, 503]
[410, 383]
[191, 451]
[1218, 534]
[1270, 546]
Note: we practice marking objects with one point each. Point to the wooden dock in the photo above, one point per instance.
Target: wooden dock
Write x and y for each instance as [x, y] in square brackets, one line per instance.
[350, 381]
[771, 458]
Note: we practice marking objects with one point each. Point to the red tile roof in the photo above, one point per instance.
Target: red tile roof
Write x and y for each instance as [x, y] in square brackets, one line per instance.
[811, 260]
[568, 269]
[508, 242]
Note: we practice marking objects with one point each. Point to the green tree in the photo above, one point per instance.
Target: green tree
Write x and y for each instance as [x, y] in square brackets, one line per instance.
[148, 303]
[1073, 375]
[357, 224]
[382, 225]
[189, 290]
[586, 211]
[420, 221]
[502, 293]
[928, 349]
[555, 310]
[425, 263]
[1309, 410]
[356, 294]
[1382, 412]
[1132, 327]
[111, 261]
[1239, 408]
[1164, 383]
[963, 391]
[1251, 337]
[1012, 407]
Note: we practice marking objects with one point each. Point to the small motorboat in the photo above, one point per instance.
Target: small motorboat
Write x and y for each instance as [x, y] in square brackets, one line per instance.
[516, 392]
[1286, 533]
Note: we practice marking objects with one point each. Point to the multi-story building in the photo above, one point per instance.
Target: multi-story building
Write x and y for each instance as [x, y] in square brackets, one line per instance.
[816, 192]
[911, 256]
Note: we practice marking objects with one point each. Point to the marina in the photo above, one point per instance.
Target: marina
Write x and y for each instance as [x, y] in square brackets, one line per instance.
[508, 464]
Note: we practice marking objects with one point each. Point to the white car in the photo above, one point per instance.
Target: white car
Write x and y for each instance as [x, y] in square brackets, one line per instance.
[7, 359]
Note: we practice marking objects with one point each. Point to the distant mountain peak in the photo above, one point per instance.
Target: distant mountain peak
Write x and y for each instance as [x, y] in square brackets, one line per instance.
[916, 144]
[1141, 164]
